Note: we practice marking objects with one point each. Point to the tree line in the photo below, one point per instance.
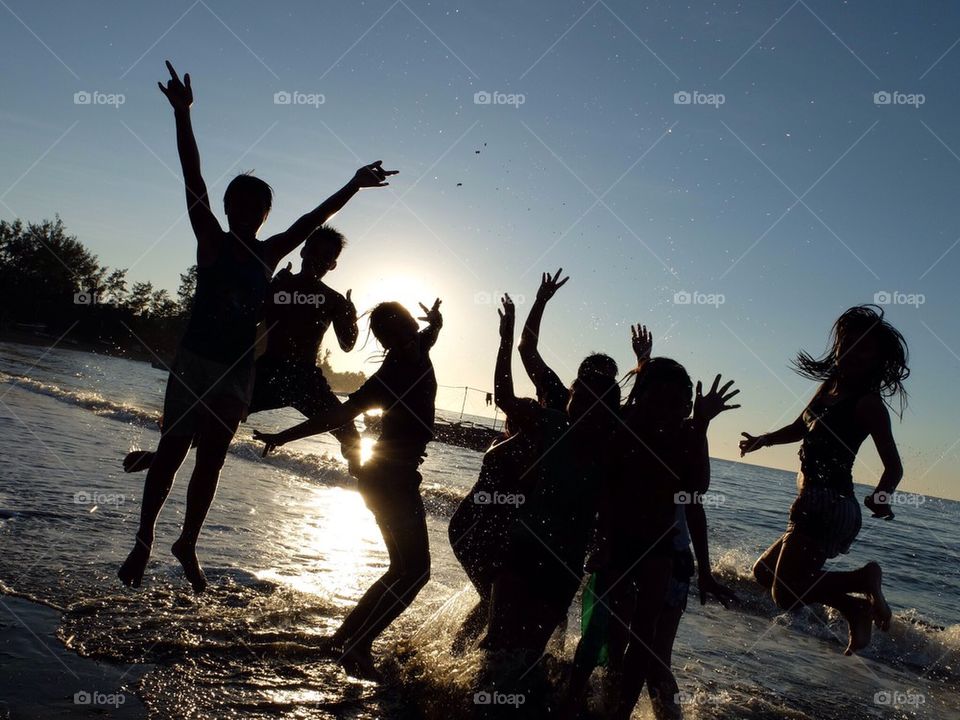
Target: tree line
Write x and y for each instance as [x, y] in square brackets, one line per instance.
[52, 285]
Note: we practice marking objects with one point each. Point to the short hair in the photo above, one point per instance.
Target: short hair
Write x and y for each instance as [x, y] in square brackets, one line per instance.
[247, 188]
[328, 237]
[599, 364]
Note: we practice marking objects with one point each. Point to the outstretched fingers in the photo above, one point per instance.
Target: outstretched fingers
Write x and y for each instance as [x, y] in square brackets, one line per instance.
[430, 314]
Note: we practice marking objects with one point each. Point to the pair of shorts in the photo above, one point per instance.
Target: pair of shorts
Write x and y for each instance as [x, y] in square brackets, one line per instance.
[195, 382]
[828, 518]
[301, 386]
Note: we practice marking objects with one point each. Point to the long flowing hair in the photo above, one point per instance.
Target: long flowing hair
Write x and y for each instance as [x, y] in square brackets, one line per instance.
[891, 368]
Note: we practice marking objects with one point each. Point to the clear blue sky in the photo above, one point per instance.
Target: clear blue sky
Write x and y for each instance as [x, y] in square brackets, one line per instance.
[795, 198]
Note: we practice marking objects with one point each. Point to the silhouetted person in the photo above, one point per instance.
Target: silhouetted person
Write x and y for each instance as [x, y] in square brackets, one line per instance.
[866, 364]
[405, 388]
[480, 529]
[660, 467]
[211, 381]
[299, 309]
[551, 392]
[541, 574]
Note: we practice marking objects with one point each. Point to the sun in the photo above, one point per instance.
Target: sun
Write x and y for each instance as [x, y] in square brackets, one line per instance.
[407, 288]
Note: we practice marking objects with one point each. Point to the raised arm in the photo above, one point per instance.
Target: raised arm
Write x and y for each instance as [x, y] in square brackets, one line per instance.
[205, 225]
[503, 394]
[432, 316]
[705, 409]
[281, 244]
[542, 376]
[642, 341]
[345, 324]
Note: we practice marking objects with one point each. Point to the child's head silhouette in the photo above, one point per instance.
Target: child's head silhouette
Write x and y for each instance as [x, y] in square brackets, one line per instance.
[247, 203]
[662, 389]
[321, 250]
[594, 400]
[392, 324]
[597, 363]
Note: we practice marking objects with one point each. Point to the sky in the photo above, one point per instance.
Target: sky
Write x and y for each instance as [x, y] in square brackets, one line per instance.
[733, 175]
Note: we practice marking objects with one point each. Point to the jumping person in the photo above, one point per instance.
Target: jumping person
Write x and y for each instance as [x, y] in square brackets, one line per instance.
[299, 309]
[865, 366]
[405, 388]
[210, 384]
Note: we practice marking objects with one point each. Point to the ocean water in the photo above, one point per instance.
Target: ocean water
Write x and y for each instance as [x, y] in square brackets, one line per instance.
[289, 546]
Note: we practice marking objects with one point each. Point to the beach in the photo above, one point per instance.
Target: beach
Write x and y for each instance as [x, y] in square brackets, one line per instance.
[289, 546]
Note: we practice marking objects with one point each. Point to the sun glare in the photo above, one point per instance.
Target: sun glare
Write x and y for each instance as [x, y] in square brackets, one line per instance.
[406, 288]
[333, 540]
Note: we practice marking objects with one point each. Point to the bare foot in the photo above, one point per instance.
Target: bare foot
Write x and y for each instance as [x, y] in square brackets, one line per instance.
[878, 508]
[861, 628]
[358, 662]
[187, 555]
[878, 603]
[131, 572]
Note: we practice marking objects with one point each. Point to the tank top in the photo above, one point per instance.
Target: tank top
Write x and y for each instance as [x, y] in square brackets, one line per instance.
[829, 448]
[228, 304]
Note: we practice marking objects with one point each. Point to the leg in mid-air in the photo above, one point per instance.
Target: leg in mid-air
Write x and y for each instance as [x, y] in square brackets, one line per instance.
[218, 423]
[165, 462]
[178, 430]
[800, 579]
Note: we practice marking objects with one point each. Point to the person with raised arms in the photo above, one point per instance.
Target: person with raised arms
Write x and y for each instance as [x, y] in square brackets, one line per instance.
[210, 384]
[405, 388]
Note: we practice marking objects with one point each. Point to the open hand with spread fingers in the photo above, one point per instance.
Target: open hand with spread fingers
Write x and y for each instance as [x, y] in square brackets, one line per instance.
[707, 407]
[431, 315]
[549, 284]
[642, 340]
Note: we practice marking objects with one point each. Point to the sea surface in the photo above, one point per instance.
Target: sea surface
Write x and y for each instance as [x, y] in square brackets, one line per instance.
[289, 546]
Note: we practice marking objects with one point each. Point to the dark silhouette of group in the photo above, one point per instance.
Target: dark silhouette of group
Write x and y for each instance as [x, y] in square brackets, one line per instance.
[585, 492]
